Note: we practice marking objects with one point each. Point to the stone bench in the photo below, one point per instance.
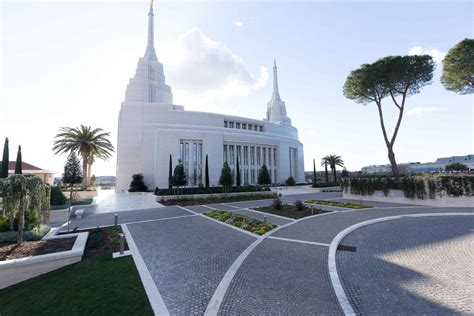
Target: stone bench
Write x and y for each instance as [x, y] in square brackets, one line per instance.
[79, 213]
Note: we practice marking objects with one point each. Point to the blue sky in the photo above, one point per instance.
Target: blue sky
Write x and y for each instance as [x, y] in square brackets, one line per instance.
[67, 63]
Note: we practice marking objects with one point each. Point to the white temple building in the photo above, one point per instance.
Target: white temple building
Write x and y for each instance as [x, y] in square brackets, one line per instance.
[151, 128]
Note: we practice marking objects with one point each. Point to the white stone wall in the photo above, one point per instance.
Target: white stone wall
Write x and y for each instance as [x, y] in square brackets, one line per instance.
[150, 132]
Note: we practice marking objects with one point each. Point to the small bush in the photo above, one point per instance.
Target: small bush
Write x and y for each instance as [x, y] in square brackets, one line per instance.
[57, 196]
[290, 181]
[4, 224]
[277, 204]
[299, 205]
[137, 184]
[29, 235]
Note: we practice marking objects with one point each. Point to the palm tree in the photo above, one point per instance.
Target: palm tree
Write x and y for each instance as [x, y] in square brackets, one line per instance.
[86, 141]
[333, 161]
[325, 163]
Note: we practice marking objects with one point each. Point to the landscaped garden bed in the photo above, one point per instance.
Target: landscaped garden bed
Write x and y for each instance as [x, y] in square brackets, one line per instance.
[98, 285]
[296, 211]
[338, 204]
[241, 221]
[215, 200]
[10, 251]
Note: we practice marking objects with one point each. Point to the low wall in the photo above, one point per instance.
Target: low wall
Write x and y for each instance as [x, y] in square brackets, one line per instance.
[397, 196]
[213, 195]
[18, 270]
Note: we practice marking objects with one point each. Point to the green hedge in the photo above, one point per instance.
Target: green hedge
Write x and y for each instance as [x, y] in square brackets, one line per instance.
[210, 190]
[413, 187]
[29, 235]
[325, 185]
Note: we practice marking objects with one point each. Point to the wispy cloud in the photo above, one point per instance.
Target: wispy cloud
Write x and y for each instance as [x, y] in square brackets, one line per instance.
[437, 55]
[419, 110]
[237, 23]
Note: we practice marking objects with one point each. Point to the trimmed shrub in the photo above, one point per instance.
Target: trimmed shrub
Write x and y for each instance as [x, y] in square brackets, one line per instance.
[137, 184]
[290, 181]
[57, 196]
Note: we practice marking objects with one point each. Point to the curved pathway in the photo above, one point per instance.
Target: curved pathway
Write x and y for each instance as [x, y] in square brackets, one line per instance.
[419, 265]
[201, 266]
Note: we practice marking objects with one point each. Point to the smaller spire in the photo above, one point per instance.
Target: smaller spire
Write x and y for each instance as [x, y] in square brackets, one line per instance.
[276, 93]
[150, 48]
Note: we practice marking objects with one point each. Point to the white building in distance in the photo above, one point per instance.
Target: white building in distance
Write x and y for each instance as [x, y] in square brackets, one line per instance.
[151, 128]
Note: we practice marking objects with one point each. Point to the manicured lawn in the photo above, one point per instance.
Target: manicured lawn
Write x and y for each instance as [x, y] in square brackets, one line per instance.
[289, 210]
[338, 204]
[242, 221]
[96, 286]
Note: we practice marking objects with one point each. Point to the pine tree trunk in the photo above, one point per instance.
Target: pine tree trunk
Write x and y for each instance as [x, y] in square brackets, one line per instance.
[393, 162]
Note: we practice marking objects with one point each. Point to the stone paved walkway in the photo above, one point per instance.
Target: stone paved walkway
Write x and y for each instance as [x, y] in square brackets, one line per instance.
[411, 266]
[197, 263]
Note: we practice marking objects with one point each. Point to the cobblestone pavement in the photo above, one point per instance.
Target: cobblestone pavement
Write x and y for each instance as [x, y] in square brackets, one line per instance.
[325, 227]
[282, 278]
[94, 220]
[187, 258]
[410, 266]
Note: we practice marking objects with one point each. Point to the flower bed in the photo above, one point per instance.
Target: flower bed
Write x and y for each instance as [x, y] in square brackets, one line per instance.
[210, 190]
[10, 251]
[241, 221]
[291, 211]
[215, 200]
[338, 204]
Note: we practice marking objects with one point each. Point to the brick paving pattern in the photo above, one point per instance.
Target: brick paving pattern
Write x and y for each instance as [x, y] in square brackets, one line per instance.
[410, 266]
[187, 259]
[282, 278]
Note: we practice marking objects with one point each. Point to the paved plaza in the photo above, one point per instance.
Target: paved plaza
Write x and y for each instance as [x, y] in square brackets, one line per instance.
[407, 265]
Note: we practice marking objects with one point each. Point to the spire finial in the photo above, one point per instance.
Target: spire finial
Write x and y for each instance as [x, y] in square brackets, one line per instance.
[150, 48]
[276, 94]
[274, 62]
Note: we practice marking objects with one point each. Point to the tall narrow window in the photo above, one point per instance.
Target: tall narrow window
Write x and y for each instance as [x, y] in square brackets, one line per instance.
[246, 155]
[264, 152]
[252, 156]
[231, 154]
[269, 156]
[252, 176]
[258, 156]
[231, 124]
[275, 156]
[239, 154]
[237, 125]
[226, 124]
[274, 176]
[225, 152]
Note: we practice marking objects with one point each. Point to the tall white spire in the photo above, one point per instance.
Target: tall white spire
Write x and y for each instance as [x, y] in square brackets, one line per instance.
[150, 47]
[276, 93]
[276, 108]
[149, 84]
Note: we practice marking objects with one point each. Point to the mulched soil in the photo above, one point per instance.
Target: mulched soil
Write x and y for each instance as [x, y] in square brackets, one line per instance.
[197, 201]
[35, 248]
[290, 211]
[103, 241]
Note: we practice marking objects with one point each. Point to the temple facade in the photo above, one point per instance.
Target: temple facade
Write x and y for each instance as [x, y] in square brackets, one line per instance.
[151, 128]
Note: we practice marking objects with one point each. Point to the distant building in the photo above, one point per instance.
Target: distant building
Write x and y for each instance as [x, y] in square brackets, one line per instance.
[416, 167]
[26, 168]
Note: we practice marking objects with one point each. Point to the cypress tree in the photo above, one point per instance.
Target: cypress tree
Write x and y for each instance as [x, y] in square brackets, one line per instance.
[314, 173]
[237, 170]
[206, 173]
[4, 169]
[226, 177]
[264, 176]
[72, 175]
[18, 161]
[170, 174]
